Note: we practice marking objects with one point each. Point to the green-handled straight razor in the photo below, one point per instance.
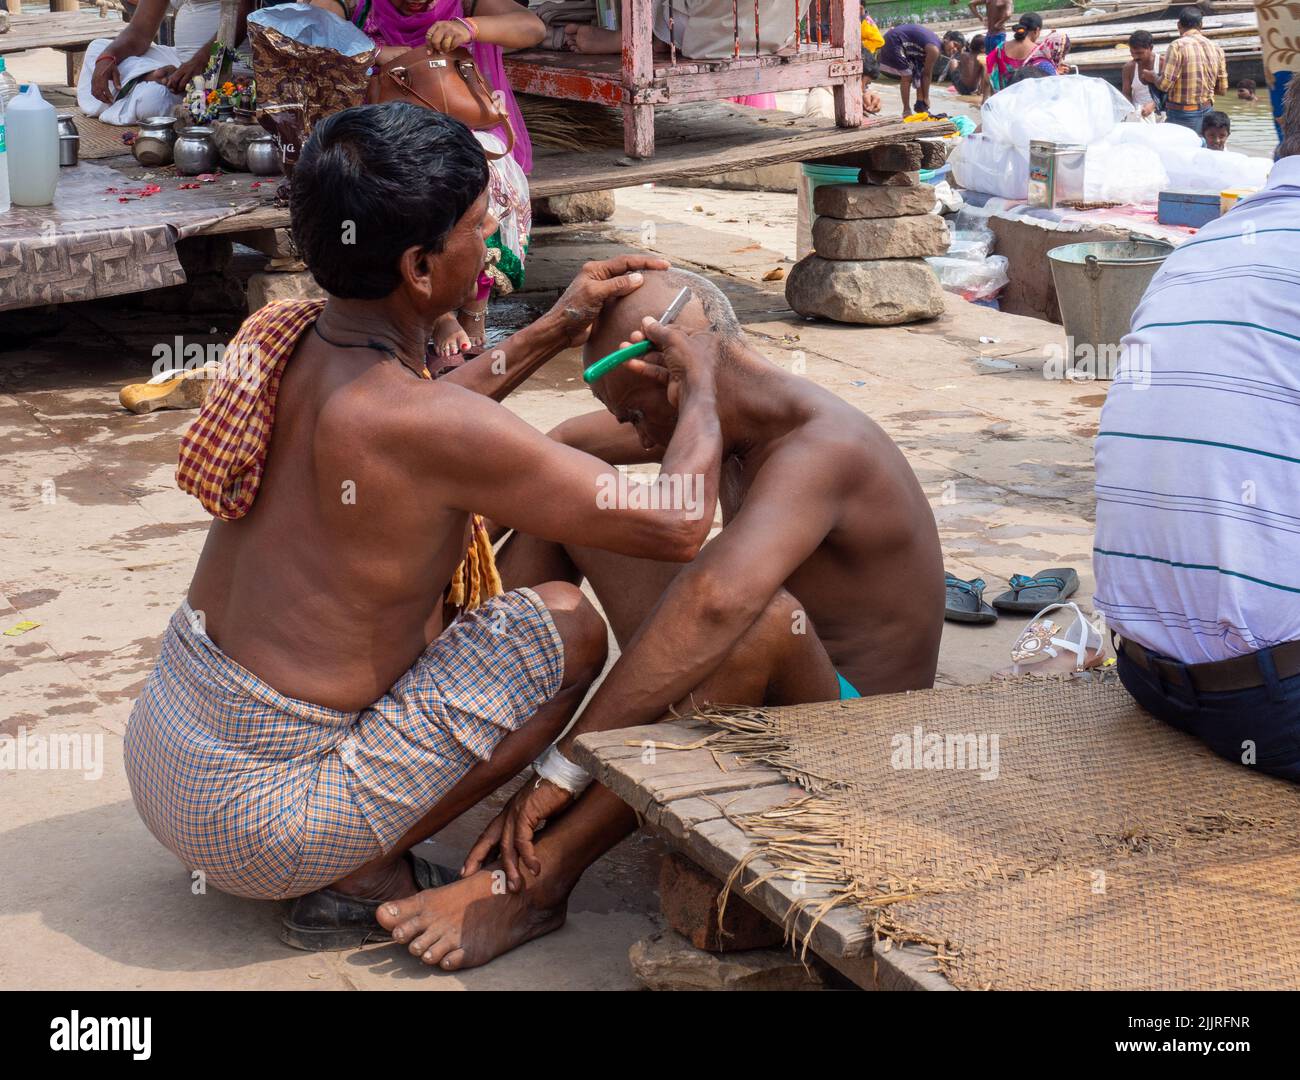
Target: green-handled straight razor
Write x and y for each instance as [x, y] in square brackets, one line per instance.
[606, 364]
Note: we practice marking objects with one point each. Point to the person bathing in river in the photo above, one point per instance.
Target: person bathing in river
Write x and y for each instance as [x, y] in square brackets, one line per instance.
[345, 675]
[995, 14]
[824, 583]
[969, 70]
[486, 28]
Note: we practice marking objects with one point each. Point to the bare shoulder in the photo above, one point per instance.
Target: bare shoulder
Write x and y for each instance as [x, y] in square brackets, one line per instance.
[834, 448]
[425, 421]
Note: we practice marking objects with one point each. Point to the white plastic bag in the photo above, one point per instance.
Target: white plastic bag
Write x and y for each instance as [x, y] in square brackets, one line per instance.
[1162, 138]
[982, 164]
[971, 280]
[1064, 109]
[973, 245]
[1200, 169]
[1123, 173]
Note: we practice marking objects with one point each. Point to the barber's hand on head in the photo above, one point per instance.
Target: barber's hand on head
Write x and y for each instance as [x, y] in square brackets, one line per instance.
[106, 80]
[596, 284]
[447, 35]
[677, 359]
[512, 830]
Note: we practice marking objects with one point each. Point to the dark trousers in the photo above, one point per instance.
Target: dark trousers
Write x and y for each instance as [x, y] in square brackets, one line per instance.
[1259, 727]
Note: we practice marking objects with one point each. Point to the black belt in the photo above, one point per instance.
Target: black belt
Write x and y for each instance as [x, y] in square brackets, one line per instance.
[1218, 676]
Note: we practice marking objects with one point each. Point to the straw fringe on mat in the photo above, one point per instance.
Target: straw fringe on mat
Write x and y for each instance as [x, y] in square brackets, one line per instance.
[1035, 833]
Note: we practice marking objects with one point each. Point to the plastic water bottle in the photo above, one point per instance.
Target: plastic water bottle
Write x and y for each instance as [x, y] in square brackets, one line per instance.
[32, 135]
[4, 164]
[8, 84]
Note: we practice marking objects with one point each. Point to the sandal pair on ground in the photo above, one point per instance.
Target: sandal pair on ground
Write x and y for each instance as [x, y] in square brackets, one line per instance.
[965, 599]
[1045, 644]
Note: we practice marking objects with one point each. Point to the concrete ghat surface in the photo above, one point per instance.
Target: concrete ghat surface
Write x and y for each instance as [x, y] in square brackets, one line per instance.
[97, 546]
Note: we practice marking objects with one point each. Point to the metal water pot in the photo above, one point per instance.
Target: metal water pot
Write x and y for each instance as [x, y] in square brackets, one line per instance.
[153, 145]
[194, 151]
[264, 156]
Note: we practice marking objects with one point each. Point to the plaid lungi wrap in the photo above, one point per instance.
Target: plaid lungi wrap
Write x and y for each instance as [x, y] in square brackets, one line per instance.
[272, 797]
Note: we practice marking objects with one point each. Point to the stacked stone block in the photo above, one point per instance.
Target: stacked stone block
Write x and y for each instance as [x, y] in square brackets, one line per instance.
[870, 242]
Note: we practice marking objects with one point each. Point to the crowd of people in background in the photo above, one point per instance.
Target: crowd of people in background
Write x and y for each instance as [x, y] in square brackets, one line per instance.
[1177, 86]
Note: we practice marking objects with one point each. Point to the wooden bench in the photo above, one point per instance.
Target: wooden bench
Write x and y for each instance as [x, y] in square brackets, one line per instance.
[685, 796]
[639, 81]
[68, 31]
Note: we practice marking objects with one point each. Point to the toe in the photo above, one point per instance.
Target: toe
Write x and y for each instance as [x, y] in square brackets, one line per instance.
[423, 942]
[410, 929]
[436, 955]
[395, 912]
[453, 960]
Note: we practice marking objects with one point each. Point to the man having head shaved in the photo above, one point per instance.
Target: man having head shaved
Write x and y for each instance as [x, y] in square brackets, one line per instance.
[824, 582]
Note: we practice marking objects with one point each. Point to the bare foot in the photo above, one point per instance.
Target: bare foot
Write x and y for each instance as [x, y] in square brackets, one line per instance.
[469, 922]
[592, 39]
[449, 337]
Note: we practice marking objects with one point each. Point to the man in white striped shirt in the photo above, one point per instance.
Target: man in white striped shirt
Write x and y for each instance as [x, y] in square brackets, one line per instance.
[1197, 551]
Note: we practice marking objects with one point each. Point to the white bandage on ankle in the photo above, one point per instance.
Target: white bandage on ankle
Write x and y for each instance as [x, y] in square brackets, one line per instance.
[562, 772]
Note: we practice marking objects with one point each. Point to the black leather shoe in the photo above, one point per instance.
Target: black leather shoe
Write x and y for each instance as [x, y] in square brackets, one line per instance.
[326, 920]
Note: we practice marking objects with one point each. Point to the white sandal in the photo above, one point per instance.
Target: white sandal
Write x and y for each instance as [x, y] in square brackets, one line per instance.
[1043, 639]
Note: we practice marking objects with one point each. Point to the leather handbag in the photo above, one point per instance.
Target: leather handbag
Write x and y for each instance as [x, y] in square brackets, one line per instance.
[446, 82]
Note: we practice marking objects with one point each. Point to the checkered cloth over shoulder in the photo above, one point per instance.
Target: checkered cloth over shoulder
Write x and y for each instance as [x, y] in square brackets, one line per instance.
[272, 797]
[223, 453]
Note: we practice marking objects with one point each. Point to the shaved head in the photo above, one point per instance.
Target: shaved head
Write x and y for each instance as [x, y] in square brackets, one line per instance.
[633, 398]
[707, 309]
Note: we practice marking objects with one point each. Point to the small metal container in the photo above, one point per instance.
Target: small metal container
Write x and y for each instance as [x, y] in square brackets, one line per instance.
[194, 151]
[67, 125]
[1055, 172]
[264, 156]
[153, 145]
[69, 149]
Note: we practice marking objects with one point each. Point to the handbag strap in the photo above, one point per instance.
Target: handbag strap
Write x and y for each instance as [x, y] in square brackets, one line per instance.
[479, 88]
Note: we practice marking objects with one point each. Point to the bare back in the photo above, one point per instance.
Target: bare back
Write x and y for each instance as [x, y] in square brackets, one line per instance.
[873, 586]
[331, 586]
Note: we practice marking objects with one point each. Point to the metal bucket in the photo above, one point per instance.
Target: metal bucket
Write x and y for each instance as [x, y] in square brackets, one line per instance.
[1098, 287]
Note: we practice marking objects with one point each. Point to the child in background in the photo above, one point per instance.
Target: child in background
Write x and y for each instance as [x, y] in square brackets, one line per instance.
[1215, 129]
[1246, 90]
[968, 70]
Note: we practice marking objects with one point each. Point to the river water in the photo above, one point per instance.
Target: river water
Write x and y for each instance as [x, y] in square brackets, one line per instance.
[1252, 124]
